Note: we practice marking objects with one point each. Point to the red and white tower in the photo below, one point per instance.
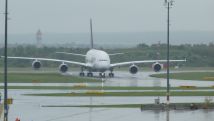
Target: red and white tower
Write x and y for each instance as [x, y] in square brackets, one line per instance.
[39, 38]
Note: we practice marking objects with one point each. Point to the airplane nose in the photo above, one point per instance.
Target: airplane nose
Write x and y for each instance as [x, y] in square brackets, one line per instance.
[103, 65]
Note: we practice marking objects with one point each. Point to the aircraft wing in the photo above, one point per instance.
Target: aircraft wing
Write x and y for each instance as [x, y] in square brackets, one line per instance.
[144, 61]
[116, 54]
[71, 54]
[49, 59]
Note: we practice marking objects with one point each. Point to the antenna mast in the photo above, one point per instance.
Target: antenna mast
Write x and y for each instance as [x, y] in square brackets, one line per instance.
[92, 41]
[5, 64]
[168, 4]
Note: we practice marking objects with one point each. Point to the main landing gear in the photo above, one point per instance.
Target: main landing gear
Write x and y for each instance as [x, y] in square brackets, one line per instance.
[82, 74]
[89, 74]
[111, 74]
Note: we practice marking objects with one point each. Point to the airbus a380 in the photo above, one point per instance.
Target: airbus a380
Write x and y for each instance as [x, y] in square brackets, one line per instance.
[96, 61]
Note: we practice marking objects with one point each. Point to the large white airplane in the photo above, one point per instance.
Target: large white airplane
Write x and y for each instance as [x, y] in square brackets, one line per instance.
[96, 61]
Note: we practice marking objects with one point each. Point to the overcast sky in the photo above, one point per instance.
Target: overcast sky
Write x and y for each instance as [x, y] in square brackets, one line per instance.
[67, 16]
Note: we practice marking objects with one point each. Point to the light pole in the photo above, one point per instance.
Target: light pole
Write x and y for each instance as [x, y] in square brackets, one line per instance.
[168, 4]
[5, 65]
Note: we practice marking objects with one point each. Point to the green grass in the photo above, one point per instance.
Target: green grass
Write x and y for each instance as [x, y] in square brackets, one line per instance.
[103, 88]
[99, 106]
[44, 78]
[146, 106]
[206, 76]
[31, 70]
[149, 93]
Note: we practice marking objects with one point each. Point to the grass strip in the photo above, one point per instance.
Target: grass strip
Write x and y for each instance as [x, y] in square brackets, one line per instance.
[99, 106]
[78, 87]
[45, 78]
[143, 106]
[206, 76]
[149, 93]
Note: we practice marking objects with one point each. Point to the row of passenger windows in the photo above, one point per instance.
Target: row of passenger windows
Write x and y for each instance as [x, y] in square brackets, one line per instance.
[103, 60]
[93, 60]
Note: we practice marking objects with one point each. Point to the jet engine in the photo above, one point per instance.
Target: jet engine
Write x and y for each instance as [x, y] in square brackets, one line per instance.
[133, 69]
[36, 64]
[63, 68]
[157, 67]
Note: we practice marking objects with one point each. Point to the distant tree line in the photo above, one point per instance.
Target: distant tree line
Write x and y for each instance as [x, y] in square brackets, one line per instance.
[197, 55]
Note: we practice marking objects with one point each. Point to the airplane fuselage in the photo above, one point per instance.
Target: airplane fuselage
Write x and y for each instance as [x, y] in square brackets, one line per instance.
[98, 59]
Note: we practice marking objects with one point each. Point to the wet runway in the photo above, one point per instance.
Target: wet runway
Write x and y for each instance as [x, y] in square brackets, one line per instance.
[29, 108]
[143, 79]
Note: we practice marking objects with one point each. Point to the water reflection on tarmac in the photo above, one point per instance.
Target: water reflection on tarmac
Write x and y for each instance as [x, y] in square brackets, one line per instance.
[143, 79]
[29, 108]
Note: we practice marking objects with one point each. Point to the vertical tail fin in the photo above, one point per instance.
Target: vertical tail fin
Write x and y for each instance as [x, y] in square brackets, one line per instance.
[92, 41]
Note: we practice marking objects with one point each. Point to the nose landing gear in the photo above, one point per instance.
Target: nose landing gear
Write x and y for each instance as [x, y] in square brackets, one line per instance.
[102, 75]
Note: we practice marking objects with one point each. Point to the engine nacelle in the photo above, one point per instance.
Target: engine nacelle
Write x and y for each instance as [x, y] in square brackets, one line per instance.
[133, 69]
[36, 64]
[63, 68]
[157, 67]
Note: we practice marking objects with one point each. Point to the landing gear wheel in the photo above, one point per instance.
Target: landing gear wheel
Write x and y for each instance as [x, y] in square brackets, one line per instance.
[89, 74]
[102, 75]
[82, 74]
[111, 74]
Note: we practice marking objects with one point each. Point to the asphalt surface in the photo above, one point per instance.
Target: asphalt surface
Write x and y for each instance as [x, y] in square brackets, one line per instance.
[29, 108]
